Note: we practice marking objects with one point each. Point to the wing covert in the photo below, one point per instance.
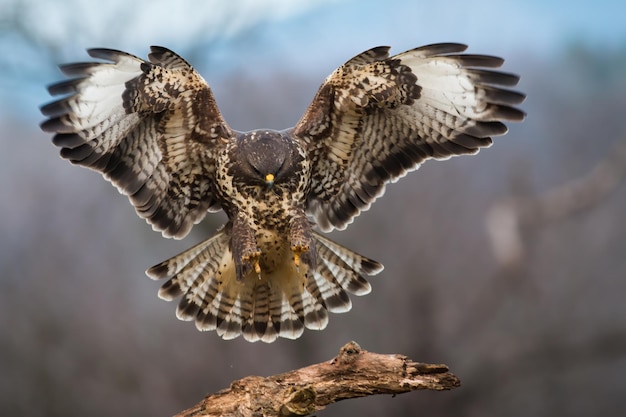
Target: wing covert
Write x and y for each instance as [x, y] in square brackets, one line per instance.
[378, 117]
[152, 128]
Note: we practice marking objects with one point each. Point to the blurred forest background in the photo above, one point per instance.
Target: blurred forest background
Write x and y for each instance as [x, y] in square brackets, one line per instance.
[509, 266]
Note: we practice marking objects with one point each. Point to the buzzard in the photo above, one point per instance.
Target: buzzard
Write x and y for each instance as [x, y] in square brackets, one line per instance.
[154, 130]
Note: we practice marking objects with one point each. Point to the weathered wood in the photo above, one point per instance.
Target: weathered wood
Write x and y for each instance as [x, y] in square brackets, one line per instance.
[353, 373]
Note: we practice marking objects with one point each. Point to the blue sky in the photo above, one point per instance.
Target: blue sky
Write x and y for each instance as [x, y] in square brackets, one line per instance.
[539, 26]
[313, 36]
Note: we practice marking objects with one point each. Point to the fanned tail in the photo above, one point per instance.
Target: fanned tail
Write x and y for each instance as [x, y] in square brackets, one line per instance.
[277, 303]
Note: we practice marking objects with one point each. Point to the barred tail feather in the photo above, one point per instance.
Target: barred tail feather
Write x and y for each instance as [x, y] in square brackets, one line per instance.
[190, 268]
[278, 303]
[346, 265]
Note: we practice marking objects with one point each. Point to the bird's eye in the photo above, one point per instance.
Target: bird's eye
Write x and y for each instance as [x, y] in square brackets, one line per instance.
[255, 171]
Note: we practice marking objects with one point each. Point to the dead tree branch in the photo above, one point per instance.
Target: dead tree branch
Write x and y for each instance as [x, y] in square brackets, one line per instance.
[353, 373]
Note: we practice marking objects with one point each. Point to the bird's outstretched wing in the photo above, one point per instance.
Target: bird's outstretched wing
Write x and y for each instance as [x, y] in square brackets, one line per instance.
[377, 117]
[152, 128]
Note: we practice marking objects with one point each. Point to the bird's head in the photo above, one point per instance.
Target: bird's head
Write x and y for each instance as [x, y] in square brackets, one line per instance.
[266, 158]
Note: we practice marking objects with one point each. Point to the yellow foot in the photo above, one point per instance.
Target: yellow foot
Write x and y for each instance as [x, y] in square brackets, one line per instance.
[253, 258]
[297, 251]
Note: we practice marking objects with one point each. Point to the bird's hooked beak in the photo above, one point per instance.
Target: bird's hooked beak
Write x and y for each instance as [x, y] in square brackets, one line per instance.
[269, 180]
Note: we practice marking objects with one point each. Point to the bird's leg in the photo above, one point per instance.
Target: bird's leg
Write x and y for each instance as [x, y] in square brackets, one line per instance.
[246, 253]
[302, 244]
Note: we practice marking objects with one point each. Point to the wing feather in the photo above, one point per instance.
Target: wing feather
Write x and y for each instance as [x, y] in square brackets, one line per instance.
[152, 128]
[378, 117]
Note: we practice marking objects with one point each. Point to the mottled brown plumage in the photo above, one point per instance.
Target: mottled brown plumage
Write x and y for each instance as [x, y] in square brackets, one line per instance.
[153, 129]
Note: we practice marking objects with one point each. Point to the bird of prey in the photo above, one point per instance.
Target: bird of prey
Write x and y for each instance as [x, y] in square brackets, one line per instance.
[153, 129]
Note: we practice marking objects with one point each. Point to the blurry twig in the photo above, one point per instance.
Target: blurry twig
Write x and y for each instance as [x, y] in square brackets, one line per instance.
[353, 373]
[509, 220]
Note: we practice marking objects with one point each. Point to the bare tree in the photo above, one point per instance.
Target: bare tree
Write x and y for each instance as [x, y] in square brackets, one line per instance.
[510, 220]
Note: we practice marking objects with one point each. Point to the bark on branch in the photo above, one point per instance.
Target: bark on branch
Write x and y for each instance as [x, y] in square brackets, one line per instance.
[353, 373]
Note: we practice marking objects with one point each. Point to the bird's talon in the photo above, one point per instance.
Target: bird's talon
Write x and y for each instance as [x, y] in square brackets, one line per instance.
[253, 258]
[298, 250]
